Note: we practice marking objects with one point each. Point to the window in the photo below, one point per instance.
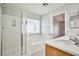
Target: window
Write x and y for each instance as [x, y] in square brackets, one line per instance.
[33, 26]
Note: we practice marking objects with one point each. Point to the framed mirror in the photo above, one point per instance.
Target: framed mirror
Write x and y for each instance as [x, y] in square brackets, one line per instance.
[74, 21]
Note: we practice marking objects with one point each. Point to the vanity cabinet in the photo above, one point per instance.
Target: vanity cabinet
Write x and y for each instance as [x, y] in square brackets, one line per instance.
[52, 51]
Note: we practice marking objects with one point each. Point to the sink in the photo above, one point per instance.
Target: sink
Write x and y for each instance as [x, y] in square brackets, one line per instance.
[66, 42]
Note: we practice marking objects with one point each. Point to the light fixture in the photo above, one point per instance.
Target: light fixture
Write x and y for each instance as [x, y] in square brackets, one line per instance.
[45, 4]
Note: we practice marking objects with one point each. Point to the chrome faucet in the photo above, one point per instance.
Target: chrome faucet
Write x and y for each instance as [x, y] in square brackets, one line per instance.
[74, 39]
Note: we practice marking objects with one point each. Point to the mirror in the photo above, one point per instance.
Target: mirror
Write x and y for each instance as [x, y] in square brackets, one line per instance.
[74, 21]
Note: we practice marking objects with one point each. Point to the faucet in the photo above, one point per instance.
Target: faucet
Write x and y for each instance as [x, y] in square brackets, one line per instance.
[74, 39]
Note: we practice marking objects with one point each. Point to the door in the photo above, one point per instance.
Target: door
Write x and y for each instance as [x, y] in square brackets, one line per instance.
[11, 35]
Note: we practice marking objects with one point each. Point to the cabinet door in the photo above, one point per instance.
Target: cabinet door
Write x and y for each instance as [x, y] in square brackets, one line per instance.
[51, 51]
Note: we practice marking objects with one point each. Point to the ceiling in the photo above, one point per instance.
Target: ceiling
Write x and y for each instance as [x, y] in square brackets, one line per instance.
[36, 8]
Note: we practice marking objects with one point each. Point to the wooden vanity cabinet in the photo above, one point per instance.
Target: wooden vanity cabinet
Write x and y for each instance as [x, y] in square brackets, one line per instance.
[52, 51]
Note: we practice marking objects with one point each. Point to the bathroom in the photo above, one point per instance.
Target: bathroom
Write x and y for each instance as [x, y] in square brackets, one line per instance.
[28, 29]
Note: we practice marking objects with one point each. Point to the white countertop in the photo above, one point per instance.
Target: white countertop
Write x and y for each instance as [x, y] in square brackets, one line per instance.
[74, 50]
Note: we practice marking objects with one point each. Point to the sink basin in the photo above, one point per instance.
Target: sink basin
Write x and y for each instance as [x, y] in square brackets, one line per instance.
[66, 42]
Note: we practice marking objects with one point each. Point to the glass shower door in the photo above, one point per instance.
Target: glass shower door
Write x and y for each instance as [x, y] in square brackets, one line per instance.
[11, 35]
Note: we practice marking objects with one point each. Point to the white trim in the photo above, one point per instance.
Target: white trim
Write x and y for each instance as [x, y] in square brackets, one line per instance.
[59, 13]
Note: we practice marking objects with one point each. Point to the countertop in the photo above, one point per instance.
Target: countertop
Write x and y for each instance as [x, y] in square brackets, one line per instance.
[74, 50]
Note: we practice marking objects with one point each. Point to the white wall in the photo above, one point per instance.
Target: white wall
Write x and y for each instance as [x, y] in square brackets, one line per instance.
[47, 26]
[56, 29]
[45, 21]
[69, 9]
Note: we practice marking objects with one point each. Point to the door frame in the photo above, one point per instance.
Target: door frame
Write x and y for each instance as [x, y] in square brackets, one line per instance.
[58, 13]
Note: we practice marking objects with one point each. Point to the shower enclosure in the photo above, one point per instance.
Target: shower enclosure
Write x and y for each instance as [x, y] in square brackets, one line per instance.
[20, 32]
